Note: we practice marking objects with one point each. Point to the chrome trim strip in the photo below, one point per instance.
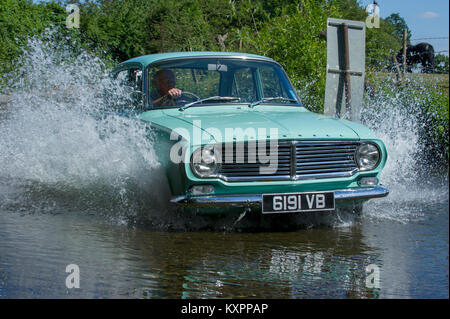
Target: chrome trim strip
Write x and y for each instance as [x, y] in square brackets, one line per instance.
[255, 200]
[326, 175]
[215, 201]
[361, 193]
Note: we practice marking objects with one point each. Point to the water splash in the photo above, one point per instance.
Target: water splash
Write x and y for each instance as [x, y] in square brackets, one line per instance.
[415, 188]
[56, 144]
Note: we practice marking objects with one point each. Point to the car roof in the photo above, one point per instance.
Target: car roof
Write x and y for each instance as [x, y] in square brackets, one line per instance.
[146, 60]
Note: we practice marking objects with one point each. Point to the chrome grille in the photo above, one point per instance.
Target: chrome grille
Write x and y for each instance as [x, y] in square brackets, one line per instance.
[296, 160]
[325, 159]
[246, 166]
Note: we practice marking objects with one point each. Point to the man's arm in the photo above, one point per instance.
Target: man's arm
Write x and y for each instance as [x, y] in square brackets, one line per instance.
[174, 92]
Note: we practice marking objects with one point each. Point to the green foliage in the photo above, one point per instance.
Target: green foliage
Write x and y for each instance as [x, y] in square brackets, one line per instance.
[441, 64]
[293, 39]
[20, 19]
[435, 117]
[382, 44]
[117, 27]
[179, 26]
[350, 9]
[122, 29]
[428, 102]
[437, 105]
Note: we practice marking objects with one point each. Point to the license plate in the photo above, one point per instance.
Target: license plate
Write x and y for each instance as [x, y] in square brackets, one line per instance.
[297, 202]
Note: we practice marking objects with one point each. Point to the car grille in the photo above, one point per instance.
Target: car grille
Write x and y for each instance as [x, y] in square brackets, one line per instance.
[297, 160]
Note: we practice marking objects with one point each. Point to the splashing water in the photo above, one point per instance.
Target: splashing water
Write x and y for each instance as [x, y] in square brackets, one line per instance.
[414, 188]
[55, 139]
[58, 150]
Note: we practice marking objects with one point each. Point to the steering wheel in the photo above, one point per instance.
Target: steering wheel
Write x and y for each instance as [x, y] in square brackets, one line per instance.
[189, 97]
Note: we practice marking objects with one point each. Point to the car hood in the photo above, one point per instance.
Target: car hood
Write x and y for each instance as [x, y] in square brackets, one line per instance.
[225, 123]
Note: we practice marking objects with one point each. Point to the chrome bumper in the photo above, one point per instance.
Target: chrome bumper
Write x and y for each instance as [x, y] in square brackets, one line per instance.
[253, 200]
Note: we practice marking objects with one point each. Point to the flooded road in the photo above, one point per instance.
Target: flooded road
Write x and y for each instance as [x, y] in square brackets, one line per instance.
[119, 261]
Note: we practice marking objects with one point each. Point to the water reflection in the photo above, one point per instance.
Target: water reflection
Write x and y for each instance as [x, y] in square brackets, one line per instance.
[414, 255]
[121, 262]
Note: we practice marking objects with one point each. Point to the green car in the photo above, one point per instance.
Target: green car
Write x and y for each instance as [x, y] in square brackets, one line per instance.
[231, 132]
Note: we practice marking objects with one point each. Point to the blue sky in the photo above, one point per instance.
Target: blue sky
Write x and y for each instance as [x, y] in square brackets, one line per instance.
[425, 19]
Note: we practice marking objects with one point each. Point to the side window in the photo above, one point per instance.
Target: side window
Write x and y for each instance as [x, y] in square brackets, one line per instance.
[122, 76]
[244, 85]
[270, 81]
[136, 79]
[132, 79]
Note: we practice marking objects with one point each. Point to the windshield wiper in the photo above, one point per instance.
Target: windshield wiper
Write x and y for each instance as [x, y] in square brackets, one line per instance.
[266, 99]
[211, 98]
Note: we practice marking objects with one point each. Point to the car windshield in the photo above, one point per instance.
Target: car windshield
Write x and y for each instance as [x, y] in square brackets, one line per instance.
[192, 82]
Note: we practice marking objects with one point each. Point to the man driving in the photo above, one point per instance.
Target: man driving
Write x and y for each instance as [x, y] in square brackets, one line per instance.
[165, 85]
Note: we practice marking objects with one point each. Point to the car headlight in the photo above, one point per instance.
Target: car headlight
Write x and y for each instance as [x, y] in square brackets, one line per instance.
[367, 156]
[205, 161]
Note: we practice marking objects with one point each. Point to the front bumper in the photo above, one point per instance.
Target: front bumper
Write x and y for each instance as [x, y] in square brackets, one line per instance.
[255, 200]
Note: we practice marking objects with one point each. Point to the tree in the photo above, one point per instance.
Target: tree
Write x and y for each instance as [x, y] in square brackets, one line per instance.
[20, 19]
[399, 26]
[179, 26]
[382, 44]
[292, 38]
[115, 26]
[350, 9]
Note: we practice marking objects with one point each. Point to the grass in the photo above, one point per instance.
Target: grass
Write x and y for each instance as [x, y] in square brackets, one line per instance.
[438, 81]
[431, 80]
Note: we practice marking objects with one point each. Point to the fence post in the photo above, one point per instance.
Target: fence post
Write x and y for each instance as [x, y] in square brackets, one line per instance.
[399, 73]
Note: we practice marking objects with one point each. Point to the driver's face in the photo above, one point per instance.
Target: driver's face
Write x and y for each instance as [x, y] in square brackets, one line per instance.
[164, 81]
